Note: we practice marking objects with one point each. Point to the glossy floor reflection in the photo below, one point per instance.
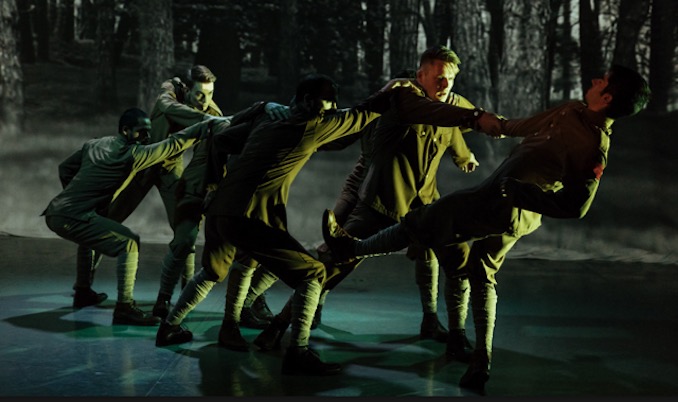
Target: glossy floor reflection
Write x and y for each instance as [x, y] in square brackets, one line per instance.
[579, 328]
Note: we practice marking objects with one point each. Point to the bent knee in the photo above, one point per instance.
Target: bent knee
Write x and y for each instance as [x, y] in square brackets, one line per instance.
[182, 249]
[317, 272]
[132, 245]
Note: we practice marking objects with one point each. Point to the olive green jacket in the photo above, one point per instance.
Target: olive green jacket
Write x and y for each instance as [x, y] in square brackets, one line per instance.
[258, 181]
[93, 176]
[170, 114]
[408, 144]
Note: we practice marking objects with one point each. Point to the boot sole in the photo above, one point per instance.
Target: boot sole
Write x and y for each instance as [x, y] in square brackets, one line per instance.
[457, 357]
[136, 323]
[162, 315]
[265, 348]
[237, 348]
[314, 373]
[475, 382]
[439, 338]
[253, 325]
[170, 343]
[162, 342]
[96, 303]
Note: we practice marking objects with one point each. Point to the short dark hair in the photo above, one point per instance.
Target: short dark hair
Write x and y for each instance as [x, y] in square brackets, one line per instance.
[317, 87]
[130, 118]
[200, 73]
[630, 92]
[439, 52]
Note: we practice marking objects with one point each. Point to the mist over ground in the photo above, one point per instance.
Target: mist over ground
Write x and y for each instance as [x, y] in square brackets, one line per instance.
[634, 216]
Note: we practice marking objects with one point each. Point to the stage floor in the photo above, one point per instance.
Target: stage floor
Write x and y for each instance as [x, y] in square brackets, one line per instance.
[575, 328]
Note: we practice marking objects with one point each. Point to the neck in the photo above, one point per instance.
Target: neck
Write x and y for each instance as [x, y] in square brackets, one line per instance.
[608, 122]
[599, 111]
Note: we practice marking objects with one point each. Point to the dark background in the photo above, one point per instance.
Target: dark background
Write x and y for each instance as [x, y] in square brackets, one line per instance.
[70, 68]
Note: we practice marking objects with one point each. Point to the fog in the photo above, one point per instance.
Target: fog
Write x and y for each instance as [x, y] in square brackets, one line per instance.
[633, 218]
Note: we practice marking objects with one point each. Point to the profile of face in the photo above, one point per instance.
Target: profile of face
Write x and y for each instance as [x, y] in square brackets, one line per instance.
[140, 133]
[327, 105]
[437, 78]
[594, 97]
[200, 95]
[323, 102]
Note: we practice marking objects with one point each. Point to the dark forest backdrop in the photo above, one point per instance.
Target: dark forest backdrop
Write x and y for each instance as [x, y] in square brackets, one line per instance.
[518, 56]
[69, 67]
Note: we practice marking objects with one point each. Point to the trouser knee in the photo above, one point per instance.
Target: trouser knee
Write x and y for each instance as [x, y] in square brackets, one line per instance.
[182, 248]
[454, 260]
[131, 245]
[317, 273]
[243, 270]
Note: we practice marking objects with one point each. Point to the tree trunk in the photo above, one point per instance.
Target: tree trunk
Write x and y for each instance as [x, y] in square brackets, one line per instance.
[185, 34]
[495, 47]
[352, 19]
[471, 44]
[443, 21]
[662, 52]
[322, 39]
[403, 36]
[65, 29]
[53, 14]
[27, 52]
[288, 53]
[106, 83]
[88, 19]
[42, 28]
[66, 21]
[567, 50]
[123, 32]
[551, 45]
[522, 80]
[270, 19]
[156, 49]
[632, 16]
[374, 43]
[437, 22]
[219, 50]
[428, 23]
[11, 74]
[591, 44]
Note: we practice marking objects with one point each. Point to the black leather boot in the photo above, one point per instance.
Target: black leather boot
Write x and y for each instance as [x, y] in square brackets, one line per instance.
[169, 334]
[162, 306]
[249, 320]
[304, 361]
[260, 308]
[458, 346]
[130, 314]
[85, 297]
[270, 338]
[231, 338]
[478, 372]
[339, 242]
[432, 328]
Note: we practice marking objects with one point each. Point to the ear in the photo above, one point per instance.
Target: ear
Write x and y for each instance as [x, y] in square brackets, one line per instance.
[607, 98]
[309, 102]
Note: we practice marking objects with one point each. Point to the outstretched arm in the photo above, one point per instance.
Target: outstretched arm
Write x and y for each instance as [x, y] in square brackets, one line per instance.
[148, 155]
